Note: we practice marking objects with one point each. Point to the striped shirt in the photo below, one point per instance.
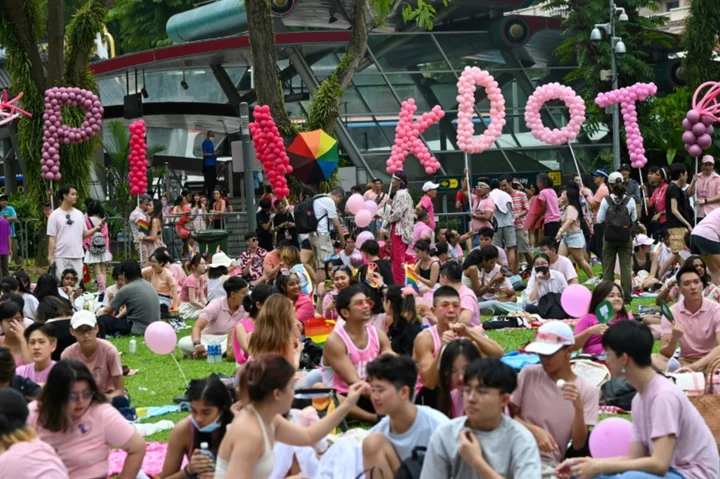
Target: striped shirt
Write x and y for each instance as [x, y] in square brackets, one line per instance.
[520, 204]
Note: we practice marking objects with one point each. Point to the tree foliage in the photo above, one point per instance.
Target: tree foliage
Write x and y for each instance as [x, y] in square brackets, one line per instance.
[700, 40]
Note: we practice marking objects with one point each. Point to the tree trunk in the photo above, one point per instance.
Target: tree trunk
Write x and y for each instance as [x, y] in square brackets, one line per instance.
[56, 42]
[22, 27]
[83, 28]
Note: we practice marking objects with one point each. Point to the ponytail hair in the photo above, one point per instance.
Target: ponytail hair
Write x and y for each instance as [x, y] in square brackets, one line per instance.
[258, 295]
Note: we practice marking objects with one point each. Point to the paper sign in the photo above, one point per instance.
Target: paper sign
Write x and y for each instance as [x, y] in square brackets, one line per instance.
[665, 310]
[604, 312]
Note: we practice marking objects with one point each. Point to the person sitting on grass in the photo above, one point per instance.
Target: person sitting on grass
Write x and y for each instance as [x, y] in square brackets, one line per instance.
[695, 328]
[485, 443]
[216, 320]
[671, 292]
[266, 388]
[404, 426]
[290, 257]
[10, 284]
[69, 285]
[192, 292]
[252, 303]
[561, 264]
[288, 284]
[72, 415]
[455, 357]
[13, 327]
[451, 274]
[342, 277]
[139, 299]
[486, 239]
[371, 250]
[100, 356]
[277, 331]
[543, 280]
[210, 415]
[58, 312]
[488, 282]
[164, 282]
[558, 407]
[42, 341]
[22, 454]
[589, 330]
[8, 379]
[401, 318]
[113, 289]
[670, 439]
[351, 346]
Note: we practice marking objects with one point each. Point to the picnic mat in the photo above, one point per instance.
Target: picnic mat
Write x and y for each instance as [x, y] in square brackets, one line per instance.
[152, 463]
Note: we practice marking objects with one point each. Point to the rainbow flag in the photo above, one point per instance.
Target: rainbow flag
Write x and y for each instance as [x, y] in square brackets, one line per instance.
[411, 278]
[143, 227]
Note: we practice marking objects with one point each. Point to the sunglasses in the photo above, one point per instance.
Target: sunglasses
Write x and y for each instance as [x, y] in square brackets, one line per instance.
[253, 240]
[68, 220]
[75, 397]
[364, 302]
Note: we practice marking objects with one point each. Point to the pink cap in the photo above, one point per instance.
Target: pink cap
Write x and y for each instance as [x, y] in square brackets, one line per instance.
[708, 159]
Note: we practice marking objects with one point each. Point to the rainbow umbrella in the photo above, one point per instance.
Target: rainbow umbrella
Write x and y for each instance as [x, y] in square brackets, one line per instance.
[313, 156]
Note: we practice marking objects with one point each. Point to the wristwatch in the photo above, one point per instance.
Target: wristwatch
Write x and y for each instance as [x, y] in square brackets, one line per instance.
[197, 342]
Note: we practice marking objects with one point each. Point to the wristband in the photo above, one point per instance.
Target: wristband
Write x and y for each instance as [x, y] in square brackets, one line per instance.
[187, 474]
[197, 343]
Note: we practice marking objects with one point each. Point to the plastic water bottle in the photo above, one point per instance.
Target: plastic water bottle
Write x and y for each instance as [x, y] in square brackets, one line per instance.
[205, 451]
[133, 346]
[210, 353]
[217, 353]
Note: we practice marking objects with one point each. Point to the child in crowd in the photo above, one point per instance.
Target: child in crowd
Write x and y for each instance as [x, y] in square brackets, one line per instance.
[192, 292]
[42, 341]
[455, 357]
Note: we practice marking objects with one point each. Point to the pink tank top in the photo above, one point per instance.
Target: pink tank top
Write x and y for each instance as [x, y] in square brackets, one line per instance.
[240, 356]
[436, 342]
[359, 358]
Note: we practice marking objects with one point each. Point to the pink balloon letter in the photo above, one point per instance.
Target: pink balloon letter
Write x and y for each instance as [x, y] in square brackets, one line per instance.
[554, 91]
[407, 137]
[470, 77]
[56, 131]
[627, 97]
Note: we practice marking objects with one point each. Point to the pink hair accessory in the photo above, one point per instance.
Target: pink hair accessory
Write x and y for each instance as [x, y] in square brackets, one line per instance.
[408, 291]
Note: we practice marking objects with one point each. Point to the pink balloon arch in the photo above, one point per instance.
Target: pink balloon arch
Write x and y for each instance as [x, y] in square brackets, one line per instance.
[138, 158]
[407, 138]
[270, 150]
[470, 77]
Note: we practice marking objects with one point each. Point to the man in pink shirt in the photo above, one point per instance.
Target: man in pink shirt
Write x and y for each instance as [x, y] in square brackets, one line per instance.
[426, 202]
[215, 321]
[695, 328]
[421, 230]
[100, 356]
[549, 205]
[558, 263]
[707, 188]
[483, 208]
[451, 275]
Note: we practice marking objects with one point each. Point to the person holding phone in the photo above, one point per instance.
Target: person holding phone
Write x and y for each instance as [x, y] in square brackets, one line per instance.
[542, 281]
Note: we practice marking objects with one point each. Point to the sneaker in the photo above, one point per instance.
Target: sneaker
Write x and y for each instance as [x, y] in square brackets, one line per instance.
[592, 281]
[487, 312]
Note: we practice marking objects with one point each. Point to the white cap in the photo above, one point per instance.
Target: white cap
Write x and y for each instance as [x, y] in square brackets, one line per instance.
[429, 185]
[83, 318]
[708, 159]
[615, 177]
[550, 337]
[643, 240]
[220, 259]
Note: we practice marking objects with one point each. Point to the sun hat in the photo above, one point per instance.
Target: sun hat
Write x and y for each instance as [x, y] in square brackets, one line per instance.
[221, 259]
[550, 338]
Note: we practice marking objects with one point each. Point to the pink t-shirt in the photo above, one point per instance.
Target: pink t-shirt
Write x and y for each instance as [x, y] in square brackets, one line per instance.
[601, 193]
[104, 364]
[219, 317]
[178, 272]
[664, 410]
[456, 401]
[85, 448]
[30, 460]
[593, 345]
[700, 328]
[552, 207]
[427, 203]
[565, 267]
[249, 326]
[469, 301]
[707, 187]
[68, 237]
[304, 308]
[502, 257]
[327, 300]
[191, 282]
[541, 403]
[358, 357]
[480, 207]
[420, 231]
[709, 227]
[28, 371]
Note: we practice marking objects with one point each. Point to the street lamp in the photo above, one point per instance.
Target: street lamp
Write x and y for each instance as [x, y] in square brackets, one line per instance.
[618, 49]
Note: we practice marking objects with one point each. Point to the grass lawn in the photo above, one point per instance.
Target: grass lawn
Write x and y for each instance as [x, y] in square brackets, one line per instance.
[158, 379]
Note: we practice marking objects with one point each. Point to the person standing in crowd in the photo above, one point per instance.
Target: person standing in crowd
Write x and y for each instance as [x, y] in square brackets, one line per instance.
[376, 194]
[421, 231]
[219, 208]
[657, 177]
[8, 212]
[139, 223]
[600, 176]
[549, 205]
[520, 208]
[5, 246]
[426, 202]
[284, 222]
[679, 214]
[66, 232]
[462, 204]
[401, 222]
[705, 187]
[184, 222]
[265, 225]
[209, 162]
[632, 186]
[97, 246]
[325, 210]
[482, 211]
[154, 239]
[504, 237]
[571, 234]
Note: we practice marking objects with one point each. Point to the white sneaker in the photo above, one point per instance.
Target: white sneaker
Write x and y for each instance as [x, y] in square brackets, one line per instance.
[592, 281]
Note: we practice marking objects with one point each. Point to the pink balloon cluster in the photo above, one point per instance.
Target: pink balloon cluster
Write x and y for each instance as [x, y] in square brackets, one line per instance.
[554, 91]
[470, 77]
[56, 132]
[364, 211]
[138, 158]
[270, 150]
[627, 97]
[407, 137]
[699, 121]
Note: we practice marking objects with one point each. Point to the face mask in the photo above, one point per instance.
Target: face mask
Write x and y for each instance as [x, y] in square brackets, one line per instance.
[164, 202]
[207, 429]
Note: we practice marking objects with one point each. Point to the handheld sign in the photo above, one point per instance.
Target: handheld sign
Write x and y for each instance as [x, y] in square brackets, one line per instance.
[604, 312]
[665, 310]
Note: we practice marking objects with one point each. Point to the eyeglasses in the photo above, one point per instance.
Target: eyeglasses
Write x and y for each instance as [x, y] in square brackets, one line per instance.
[365, 302]
[68, 220]
[75, 397]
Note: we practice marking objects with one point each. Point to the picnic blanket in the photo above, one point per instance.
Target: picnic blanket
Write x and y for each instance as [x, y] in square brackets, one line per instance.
[152, 463]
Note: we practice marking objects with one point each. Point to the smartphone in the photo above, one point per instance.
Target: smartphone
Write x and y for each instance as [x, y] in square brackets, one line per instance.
[328, 282]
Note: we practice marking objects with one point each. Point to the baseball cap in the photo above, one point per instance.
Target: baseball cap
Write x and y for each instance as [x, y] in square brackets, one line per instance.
[83, 318]
[625, 166]
[400, 176]
[550, 338]
[615, 177]
[600, 172]
[706, 159]
[429, 185]
[643, 240]
[4, 197]
[13, 411]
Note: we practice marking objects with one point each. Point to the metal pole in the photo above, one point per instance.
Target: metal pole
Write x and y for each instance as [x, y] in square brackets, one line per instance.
[247, 166]
[616, 108]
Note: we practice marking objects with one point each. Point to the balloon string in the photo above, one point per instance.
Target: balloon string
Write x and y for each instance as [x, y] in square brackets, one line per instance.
[642, 193]
[172, 355]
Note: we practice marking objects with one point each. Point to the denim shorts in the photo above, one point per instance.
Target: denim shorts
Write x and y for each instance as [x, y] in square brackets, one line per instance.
[573, 240]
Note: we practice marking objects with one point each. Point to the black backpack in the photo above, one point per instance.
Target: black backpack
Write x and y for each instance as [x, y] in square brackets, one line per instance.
[618, 222]
[305, 220]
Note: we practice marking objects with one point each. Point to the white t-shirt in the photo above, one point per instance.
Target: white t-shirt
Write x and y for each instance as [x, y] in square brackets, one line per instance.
[565, 267]
[68, 237]
[325, 210]
[426, 421]
[31, 305]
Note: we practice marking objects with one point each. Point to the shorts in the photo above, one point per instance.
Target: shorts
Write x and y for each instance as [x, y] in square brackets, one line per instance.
[505, 237]
[523, 241]
[703, 246]
[676, 238]
[305, 245]
[322, 248]
[573, 240]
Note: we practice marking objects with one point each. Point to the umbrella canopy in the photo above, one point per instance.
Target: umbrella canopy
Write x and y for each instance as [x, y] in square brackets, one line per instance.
[313, 156]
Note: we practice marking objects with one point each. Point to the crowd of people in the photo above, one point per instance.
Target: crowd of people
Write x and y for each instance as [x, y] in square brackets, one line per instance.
[408, 353]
